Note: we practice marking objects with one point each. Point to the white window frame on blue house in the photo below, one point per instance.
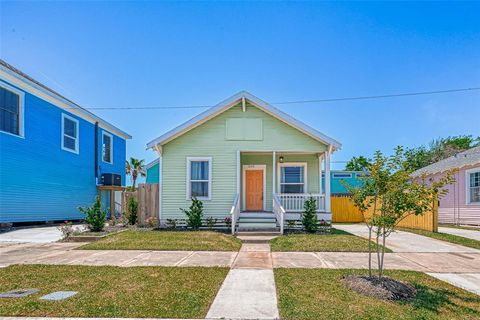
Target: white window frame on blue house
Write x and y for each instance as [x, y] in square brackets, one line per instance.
[77, 131]
[189, 181]
[104, 133]
[21, 111]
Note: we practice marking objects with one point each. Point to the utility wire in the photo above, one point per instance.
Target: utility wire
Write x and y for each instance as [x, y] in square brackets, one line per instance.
[301, 101]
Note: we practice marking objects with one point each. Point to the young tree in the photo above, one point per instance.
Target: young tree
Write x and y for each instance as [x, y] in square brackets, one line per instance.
[390, 194]
[358, 164]
[309, 216]
[135, 167]
[194, 214]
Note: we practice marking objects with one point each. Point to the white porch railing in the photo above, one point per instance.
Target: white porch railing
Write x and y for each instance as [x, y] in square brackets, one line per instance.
[294, 202]
[279, 212]
[235, 212]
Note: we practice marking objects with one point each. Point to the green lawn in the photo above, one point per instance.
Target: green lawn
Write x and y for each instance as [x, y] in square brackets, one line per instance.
[305, 294]
[446, 237]
[337, 240]
[162, 292]
[167, 240]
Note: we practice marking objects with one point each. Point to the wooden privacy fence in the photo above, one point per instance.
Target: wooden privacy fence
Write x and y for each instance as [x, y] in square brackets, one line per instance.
[343, 210]
[147, 197]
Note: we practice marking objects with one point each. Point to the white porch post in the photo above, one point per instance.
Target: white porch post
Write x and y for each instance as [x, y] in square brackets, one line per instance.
[238, 172]
[320, 184]
[327, 181]
[274, 172]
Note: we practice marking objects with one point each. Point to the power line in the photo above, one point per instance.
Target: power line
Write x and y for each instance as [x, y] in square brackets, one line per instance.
[396, 95]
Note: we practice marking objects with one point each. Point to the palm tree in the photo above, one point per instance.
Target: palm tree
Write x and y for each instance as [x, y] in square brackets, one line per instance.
[135, 167]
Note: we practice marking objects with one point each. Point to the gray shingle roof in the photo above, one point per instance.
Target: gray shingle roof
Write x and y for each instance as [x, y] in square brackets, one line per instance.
[466, 158]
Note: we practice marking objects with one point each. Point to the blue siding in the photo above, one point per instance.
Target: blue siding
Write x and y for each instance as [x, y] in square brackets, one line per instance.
[152, 174]
[38, 180]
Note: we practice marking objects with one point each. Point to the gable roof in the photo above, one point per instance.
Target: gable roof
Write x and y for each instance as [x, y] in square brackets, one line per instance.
[229, 103]
[152, 164]
[27, 83]
[463, 159]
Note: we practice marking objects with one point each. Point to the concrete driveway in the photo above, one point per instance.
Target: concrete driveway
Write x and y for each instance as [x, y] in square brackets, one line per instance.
[34, 234]
[400, 241]
[471, 234]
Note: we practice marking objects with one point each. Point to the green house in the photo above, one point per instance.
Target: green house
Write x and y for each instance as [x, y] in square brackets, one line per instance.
[246, 160]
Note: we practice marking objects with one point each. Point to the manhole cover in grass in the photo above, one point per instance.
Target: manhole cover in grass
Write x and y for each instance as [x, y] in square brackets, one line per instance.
[58, 295]
[18, 293]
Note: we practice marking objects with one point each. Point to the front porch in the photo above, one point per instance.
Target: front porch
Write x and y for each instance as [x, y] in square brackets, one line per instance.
[272, 187]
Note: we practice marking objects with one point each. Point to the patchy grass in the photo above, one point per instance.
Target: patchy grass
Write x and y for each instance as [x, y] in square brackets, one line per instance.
[167, 240]
[446, 237]
[305, 294]
[337, 240]
[160, 292]
[460, 227]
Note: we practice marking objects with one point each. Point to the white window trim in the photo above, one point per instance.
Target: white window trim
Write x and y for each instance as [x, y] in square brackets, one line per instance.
[193, 159]
[21, 110]
[104, 133]
[292, 164]
[262, 167]
[77, 139]
[467, 186]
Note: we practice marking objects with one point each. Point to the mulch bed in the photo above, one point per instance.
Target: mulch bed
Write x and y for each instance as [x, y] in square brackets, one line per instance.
[384, 288]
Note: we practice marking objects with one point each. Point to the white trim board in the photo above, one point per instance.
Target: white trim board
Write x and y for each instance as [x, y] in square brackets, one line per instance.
[29, 86]
[77, 138]
[262, 167]
[467, 186]
[232, 101]
[105, 133]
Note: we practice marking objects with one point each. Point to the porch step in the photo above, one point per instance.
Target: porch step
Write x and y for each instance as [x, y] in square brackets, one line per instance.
[257, 223]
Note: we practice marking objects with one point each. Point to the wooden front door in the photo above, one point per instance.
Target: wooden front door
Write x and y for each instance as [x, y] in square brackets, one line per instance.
[254, 190]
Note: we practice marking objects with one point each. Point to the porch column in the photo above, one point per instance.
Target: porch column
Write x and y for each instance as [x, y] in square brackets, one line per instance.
[274, 172]
[320, 184]
[238, 172]
[327, 181]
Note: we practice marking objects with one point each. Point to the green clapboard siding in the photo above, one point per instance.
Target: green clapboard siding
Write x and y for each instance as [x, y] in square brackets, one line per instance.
[209, 140]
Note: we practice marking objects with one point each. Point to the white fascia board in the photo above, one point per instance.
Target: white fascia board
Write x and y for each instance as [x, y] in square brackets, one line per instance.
[60, 102]
[228, 103]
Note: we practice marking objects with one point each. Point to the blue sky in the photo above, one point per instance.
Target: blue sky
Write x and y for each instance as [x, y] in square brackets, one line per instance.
[126, 54]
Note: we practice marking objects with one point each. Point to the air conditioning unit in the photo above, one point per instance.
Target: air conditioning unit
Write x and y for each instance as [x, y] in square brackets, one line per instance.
[111, 179]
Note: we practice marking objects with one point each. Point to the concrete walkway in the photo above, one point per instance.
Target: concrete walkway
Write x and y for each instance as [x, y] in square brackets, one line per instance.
[249, 290]
[471, 234]
[400, 241]
[467, 281]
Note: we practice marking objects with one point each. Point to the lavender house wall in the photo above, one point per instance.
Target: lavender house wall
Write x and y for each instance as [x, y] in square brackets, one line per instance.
[453, 207]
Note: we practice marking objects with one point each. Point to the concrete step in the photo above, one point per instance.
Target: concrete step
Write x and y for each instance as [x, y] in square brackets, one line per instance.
[257, 220]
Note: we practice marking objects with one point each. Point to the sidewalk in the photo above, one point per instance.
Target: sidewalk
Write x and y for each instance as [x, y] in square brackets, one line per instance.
[255, 256]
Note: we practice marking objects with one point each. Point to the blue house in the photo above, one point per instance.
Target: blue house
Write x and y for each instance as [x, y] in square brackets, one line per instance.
[53, 152]
[337, 178]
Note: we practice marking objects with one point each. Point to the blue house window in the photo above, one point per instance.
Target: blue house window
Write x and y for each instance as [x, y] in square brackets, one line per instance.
[70, 134]
[107, 148]
[11, 111]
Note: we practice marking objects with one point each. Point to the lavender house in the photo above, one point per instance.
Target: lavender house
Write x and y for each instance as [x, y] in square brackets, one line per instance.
[462, 203]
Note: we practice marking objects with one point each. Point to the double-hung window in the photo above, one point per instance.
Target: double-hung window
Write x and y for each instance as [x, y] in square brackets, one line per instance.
[199, 178]
[11, 110]
[293, 177]
[70, 131]
[107, 148]
[473, 187]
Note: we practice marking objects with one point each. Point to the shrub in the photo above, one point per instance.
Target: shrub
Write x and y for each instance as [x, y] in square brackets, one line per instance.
[291, 224]
[228, 222]
[211, 222]
[132, 211]
[309, 218]
[94, 216]
[172, 224]
[152, 222]
[194, 214]
[66, 229]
